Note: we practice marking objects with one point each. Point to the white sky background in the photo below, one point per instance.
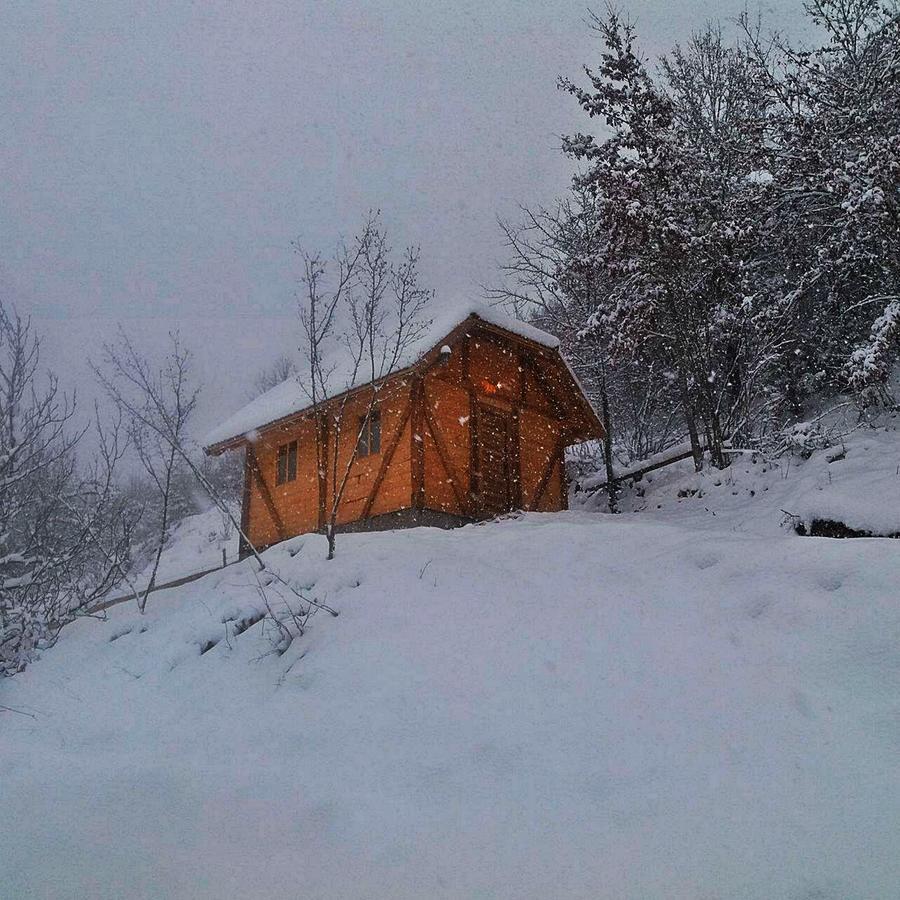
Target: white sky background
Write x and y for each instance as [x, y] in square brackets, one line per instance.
[158, 159]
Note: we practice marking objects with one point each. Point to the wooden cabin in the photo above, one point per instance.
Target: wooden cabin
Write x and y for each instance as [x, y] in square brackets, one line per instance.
[475, 426]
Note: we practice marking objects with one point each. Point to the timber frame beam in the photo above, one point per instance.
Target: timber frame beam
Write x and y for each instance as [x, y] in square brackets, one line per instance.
[386, 461]
[244, 544]
[417, 442]
[557, 456]
[265, 493]
[444, 456]
[472, 388]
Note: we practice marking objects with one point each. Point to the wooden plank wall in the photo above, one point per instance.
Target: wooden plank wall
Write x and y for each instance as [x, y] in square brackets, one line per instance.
[434, 471]
[485, 370]
[279, 511]
[274, 512]
[394, 484]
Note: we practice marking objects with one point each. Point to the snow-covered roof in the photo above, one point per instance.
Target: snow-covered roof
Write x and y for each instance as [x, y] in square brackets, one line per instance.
[291, 397]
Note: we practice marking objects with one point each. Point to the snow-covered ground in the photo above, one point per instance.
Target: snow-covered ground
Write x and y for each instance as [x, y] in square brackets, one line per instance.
[855, 481]
[195, 545]
[687, 701]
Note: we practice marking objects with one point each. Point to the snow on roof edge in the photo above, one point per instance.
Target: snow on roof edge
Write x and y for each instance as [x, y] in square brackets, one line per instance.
[494, 317]
[289, 398]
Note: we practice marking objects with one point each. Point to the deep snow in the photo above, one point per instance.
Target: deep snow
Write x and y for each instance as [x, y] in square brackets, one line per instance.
[684, 702]
[855, 481]
[195, 545]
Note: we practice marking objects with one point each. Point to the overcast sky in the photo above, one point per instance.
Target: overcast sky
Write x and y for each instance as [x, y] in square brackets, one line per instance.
[158, 158]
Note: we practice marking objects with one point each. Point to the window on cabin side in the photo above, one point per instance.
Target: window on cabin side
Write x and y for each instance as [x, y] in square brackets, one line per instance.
[369, 434]
[287, 463]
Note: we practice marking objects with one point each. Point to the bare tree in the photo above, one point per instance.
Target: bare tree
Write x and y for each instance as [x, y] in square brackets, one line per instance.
[277, 372]
[64, 538]
[157, 404]
[146, 399]
[358, 327]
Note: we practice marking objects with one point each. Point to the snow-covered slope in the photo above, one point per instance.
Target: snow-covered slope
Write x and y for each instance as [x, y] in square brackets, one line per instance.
[665, 704]
[855, 481]
[196, 544]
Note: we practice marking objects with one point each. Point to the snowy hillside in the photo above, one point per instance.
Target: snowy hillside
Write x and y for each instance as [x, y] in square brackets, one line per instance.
[196, 545]
[855, 482]
[684, 702]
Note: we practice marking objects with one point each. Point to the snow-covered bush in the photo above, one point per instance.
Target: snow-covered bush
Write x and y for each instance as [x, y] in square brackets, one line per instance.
[64, 534]
[804, 438]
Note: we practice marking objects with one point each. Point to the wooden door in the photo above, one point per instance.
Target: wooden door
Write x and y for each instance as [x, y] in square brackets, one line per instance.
[493, 457]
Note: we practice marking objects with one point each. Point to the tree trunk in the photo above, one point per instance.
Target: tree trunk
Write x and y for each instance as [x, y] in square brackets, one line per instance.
[612, 488]
[712, 425]
[163, 534]
[716, 443]
[691, 422]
